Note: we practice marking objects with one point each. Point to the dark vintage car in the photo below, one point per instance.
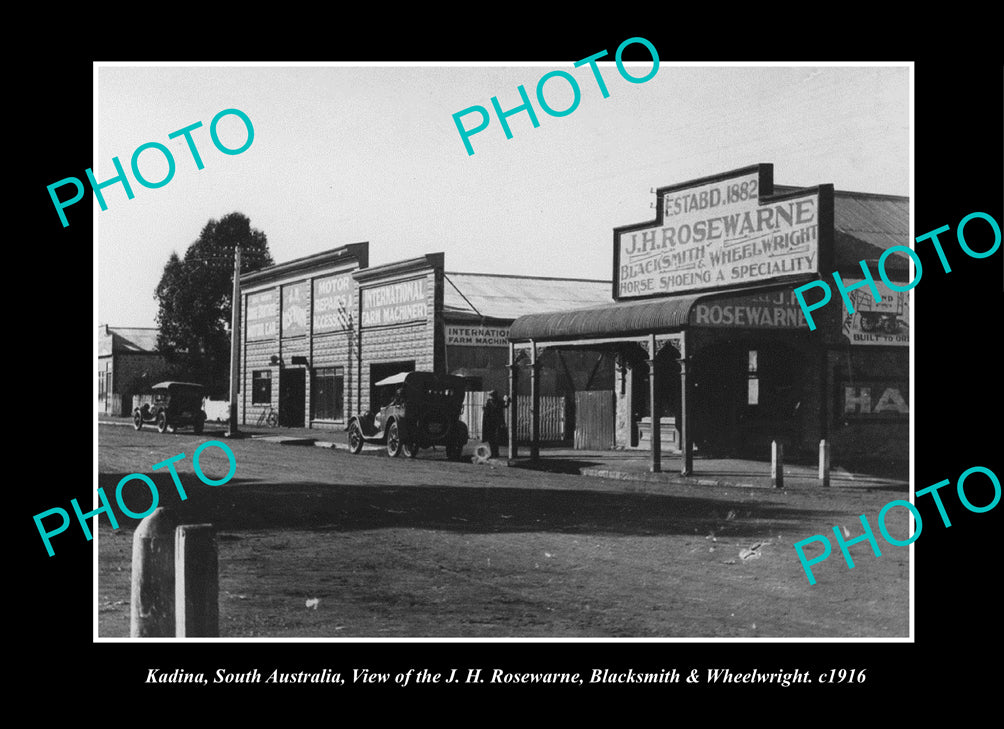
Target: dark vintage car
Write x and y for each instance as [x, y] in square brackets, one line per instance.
[413, 410]
[175, 405]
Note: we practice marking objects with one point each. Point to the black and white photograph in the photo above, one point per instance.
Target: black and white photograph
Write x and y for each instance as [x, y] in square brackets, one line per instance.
[614, 371]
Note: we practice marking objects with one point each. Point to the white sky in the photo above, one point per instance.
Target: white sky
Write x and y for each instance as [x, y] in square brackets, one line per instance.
[351, 153]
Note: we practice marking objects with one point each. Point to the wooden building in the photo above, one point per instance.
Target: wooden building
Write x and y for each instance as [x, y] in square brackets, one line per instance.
[712, 350]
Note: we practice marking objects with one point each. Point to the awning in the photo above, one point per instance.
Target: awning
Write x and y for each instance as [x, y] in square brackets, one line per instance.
[623, 318]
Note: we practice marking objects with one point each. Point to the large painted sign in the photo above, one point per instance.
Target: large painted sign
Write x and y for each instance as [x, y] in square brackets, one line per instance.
[770, 310]
[295, 299]
[332, 303]
[719, 234]
[395, 303]
[886, 322]
[261, 315]
[477, 336]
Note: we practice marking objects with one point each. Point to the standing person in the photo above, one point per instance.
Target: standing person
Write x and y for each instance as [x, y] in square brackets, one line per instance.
[493, 421]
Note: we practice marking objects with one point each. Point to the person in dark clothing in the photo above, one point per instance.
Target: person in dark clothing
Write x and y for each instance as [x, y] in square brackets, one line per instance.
[493, 422]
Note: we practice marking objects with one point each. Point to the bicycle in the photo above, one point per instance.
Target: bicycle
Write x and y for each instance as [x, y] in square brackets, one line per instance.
[269, 417]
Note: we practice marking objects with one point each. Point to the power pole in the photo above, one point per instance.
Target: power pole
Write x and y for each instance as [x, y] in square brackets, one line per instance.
[235, 338]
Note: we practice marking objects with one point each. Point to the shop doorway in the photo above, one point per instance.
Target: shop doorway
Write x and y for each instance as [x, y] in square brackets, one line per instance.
[292, 397]
[748, 393]
[667, 398]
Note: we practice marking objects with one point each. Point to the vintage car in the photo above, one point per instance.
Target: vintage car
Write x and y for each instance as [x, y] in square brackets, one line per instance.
[175, 404]
[413, 410]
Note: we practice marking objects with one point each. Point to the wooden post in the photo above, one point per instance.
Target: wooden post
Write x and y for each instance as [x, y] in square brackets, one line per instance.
[534, 403]
[235, 335]
[776, 464]
[196, 570]
[824, 463]
[653, 409]
[686, 410]
[151, 611]
[513, 409]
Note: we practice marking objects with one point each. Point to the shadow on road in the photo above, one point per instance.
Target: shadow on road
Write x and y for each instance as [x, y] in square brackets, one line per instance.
[248, 504]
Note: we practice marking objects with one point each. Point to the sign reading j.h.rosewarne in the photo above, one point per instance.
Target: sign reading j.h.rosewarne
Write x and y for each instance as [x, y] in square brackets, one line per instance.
[718, 233]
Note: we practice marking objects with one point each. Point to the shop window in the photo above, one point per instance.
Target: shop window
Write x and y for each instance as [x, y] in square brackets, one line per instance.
[326, 393]
[752, 381]
[261, 387]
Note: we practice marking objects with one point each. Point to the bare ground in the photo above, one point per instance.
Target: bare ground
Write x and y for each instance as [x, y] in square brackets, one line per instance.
[428, 548]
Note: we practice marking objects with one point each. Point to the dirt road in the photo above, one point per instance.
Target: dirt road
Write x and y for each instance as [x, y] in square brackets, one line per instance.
[381, 547]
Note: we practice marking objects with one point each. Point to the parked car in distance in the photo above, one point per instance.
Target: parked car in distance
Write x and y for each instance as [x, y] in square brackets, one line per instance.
[175, 405]
[411, 411]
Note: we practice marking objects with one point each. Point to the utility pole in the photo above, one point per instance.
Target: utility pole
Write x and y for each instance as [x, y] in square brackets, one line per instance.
[235, 338]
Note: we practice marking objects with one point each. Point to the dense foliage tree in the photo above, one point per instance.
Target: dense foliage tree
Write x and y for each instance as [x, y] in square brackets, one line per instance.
[194, 296]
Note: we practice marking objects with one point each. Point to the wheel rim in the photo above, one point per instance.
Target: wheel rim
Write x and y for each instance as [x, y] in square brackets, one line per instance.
[393, 440]
[355, 438]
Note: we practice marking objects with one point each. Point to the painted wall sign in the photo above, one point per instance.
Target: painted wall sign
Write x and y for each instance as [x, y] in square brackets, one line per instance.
[771, 310]
[884, 323]
[719, 234]
[294, 309]
[262, 315]
[332, 303]
[394, 303]
[477, 336]
[873, 400]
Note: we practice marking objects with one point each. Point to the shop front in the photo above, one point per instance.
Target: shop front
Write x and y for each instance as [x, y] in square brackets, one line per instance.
[712, 352]
[318, 333]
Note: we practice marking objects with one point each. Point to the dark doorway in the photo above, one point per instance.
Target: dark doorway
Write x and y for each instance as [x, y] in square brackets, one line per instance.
[292, 397]
[748, 393]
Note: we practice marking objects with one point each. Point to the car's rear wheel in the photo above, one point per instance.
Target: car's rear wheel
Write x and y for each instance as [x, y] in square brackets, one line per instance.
[137, 420]
[197, 427]
[393, 440]
[355, 438]
[161, 422]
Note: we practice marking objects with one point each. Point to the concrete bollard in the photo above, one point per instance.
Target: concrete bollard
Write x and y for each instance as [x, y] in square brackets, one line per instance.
[196, 569]
[824, 463]
[151, 612]
[776, 464]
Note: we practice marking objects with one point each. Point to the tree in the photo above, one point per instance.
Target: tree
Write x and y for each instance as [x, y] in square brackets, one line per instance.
[194, 296]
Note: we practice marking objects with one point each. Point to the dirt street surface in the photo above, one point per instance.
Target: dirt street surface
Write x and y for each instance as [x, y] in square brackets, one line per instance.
[315, 542]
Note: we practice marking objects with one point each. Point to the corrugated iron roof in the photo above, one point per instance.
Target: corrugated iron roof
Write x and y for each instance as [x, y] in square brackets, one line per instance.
[133, 339]
[866, 225]
[509, 297]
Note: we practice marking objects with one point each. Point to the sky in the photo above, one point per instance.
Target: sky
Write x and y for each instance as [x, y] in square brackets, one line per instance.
[349, 153]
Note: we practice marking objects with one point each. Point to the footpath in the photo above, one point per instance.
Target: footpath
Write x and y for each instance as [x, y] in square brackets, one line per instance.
[624, 465]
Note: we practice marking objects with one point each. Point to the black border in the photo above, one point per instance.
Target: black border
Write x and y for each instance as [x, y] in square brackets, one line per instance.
[958, 123]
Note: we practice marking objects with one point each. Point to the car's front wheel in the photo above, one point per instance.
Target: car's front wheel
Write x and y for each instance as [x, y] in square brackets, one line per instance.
[161, 422]
[410, 449]
[393, 440]
[137, 420]
[355, 438]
